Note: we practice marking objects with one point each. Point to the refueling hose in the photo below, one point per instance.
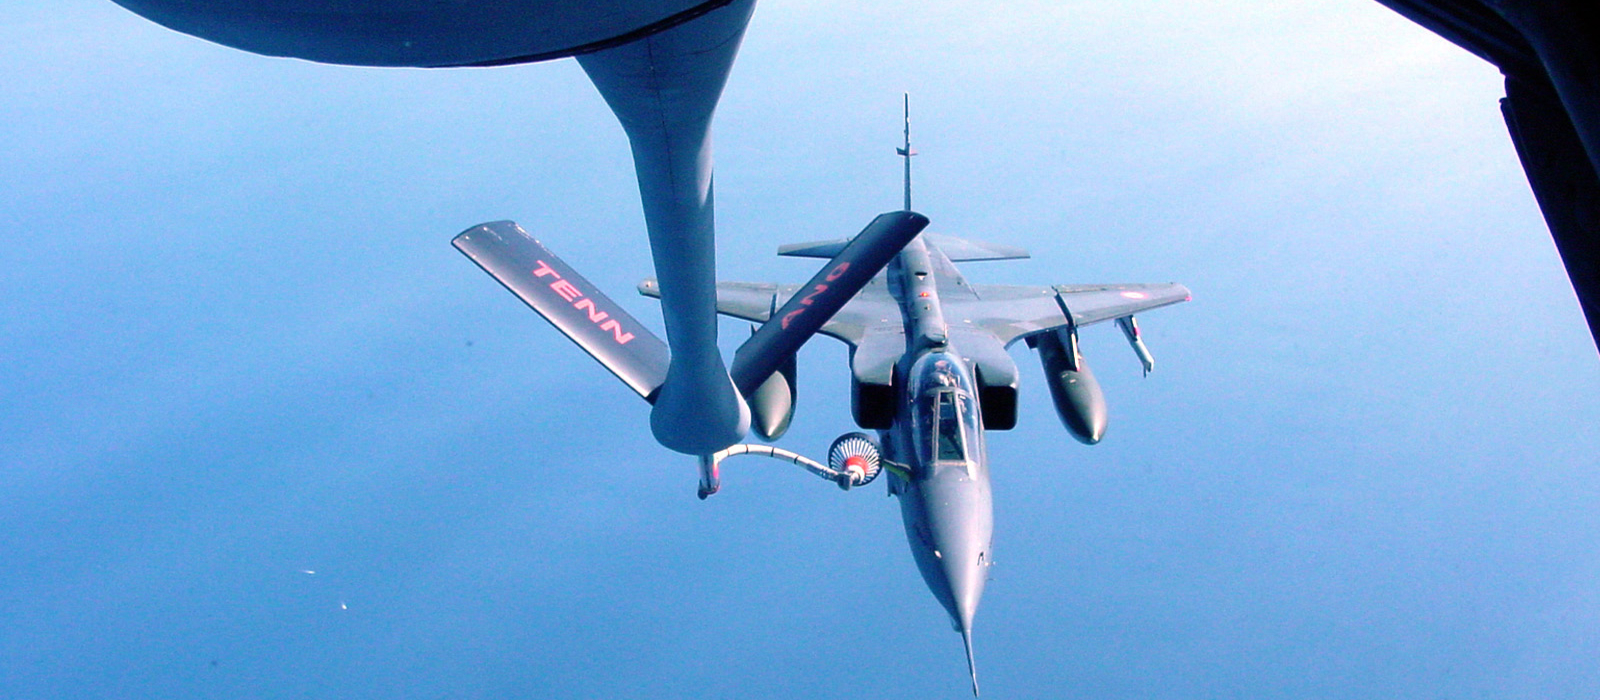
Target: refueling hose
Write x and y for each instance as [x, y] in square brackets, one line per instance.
[843, 479]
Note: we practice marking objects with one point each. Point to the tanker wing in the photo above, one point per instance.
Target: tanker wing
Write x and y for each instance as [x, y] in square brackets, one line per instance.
[572, 304]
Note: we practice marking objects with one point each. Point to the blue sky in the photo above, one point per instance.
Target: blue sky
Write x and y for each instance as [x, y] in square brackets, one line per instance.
[238, 347]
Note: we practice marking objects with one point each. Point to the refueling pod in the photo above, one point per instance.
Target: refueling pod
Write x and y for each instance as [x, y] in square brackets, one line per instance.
[1073, 388]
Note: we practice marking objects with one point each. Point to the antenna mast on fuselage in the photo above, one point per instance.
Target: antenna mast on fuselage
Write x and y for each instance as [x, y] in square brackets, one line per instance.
[907, 152]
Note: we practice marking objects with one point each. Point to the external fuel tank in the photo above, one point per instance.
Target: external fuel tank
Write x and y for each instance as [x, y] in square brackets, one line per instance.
[1077, 396]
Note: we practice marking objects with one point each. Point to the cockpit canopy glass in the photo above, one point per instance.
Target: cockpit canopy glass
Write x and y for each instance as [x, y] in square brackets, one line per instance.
[944, 408]
[947, 442]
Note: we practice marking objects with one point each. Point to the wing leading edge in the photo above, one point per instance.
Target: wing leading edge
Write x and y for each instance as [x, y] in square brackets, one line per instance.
[1012, 313]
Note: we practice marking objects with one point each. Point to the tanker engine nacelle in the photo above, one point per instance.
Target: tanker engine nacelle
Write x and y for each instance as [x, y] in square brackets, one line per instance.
[1073, 388]
[772, 403]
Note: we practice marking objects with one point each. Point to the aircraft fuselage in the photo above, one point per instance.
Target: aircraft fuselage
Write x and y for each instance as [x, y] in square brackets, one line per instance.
[936, 443]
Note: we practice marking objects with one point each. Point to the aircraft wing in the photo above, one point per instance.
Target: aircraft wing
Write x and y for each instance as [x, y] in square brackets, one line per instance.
[569, 302]
[1010, 312]
[1013, 312]
[755, 302]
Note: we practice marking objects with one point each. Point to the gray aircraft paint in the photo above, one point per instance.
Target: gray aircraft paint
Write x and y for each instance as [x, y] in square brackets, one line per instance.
[900, 330]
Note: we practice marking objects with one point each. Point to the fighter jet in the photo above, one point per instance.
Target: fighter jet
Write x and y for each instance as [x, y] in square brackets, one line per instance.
[930, 371]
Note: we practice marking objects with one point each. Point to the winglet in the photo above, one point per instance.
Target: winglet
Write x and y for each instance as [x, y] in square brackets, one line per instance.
[972, 666]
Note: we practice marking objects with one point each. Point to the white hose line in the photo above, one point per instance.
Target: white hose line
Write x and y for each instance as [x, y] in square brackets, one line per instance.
[781, 454]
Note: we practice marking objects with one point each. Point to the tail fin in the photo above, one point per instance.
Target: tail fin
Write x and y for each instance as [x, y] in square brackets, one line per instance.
[569, 302]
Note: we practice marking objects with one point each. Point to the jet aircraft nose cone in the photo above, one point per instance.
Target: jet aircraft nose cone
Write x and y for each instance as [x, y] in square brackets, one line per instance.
[964, 573]
[961, 524]
[950, 523]
[963, 557]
